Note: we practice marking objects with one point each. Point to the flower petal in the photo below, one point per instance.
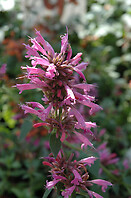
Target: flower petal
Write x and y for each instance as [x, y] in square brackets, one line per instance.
[64, 43]
[91, 194]
[89, 160]
[102, 183]
[78, 116]
[68, 192]
[85, 141]
[28, 86]
[76, 59]
[81, 66]
[45, 44]
[77, 178]
[86, 87]
[51, 184]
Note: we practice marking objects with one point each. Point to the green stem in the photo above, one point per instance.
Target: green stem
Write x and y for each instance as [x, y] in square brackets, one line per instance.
[71, 146]
[84, 194]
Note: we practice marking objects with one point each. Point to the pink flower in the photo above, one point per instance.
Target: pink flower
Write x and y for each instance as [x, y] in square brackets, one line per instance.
[41, 112]
[102, 183]
[23, 87]
[83, 139]
[93, 194]
[52, 72]
[126, 164]
[73, 175]
[51, 184]
[2, 70]
[77, 178]
[68, 192]
[89, 160]
[106, 157]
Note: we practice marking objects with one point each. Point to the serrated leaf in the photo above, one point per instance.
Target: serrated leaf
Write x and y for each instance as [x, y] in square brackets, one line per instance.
[25, 128]
[55, 144]
[47, 192]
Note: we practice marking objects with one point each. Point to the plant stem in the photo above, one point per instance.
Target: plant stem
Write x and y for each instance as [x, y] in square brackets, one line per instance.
[71, 146]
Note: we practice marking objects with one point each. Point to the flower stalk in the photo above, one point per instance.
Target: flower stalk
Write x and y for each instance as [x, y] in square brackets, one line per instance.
[53, 73]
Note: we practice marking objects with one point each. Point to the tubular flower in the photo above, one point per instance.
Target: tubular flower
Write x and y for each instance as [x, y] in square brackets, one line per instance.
[73, 175]
[106, 158]
[52, 72]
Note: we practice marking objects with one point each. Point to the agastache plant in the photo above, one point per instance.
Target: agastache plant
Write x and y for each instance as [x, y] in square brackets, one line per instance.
[53, 73]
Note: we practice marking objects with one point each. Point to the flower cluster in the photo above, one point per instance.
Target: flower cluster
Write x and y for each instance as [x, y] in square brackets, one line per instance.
[72, 174]
[53, 73]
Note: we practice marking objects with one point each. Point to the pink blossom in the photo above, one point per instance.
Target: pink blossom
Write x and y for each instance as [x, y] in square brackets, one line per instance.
[52, 72]
[78, 116]
[106, 157]
[68, 192]
[102, 183]
[74, 61]
[31, 51]
[84, 86]
[81, 66]
[77, 178]
[41, 112]
[73, 175]
[51, 184]
[85, 141]
[126, 163]
[89, 160]
[64, 43]
[45, 44]
[70, 96]
[91, 194]
[2, 70]
[38, 47]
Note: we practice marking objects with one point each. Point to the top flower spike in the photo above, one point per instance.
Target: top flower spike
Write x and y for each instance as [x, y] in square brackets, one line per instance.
[52, 72]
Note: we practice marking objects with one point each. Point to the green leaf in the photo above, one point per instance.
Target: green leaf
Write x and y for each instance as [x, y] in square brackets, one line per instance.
[47, 192]
[25, 128]
[55, 144]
